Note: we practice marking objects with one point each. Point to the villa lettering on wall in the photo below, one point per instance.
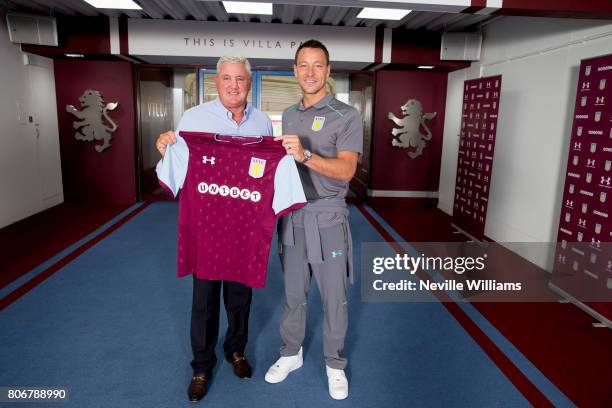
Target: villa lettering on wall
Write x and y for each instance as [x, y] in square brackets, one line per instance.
[93, 119]
[212, 39]
[239, 43]
[408, 133]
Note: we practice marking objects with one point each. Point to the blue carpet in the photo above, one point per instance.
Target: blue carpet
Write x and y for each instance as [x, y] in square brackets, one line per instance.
[113, 327]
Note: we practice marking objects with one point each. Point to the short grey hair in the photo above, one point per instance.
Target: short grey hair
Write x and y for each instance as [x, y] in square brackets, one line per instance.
[235, 59]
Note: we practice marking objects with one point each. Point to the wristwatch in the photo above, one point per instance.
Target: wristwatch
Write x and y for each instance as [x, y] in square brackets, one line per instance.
[307, 155]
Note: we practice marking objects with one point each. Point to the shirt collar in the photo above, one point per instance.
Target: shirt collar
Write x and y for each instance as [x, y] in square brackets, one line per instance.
[247, 110]
[319, 105]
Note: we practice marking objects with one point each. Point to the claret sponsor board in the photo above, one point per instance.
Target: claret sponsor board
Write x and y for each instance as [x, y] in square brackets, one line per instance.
[476, 147]
[585, 228]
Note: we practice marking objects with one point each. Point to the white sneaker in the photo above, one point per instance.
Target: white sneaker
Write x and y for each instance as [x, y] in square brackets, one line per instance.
[337, 383]
[283, 366]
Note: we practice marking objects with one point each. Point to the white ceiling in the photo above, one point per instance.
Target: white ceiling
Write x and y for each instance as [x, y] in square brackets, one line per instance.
[293, 13]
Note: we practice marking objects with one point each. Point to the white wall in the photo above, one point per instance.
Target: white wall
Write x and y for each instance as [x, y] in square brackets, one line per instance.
[30, 172]
[538, 59]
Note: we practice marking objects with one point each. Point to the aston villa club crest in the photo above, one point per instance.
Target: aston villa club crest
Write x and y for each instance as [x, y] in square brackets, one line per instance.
[317, 123]
[257, 167]
[408, 134]
[94, 123]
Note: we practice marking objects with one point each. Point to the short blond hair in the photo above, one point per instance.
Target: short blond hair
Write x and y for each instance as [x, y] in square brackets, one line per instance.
[235, 59]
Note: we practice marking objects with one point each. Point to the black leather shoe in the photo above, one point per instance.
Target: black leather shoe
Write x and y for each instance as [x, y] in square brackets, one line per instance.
[242, 368]
[197, 387]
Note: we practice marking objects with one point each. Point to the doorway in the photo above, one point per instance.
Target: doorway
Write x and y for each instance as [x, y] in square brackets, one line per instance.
[165, 93]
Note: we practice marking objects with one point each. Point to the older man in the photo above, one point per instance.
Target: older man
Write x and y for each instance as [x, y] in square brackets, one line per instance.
[229, 114]
[326, 137]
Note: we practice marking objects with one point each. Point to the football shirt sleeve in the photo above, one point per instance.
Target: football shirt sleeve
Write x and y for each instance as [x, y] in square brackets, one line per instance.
[288, 191]
[172, 169]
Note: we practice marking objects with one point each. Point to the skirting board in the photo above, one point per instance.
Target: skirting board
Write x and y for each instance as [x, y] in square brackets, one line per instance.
[402, 194]
[596, 315]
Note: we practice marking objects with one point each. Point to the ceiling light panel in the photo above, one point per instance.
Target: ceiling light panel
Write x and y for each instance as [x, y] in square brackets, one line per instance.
[114, 4]
[383, 13]
[244, 7]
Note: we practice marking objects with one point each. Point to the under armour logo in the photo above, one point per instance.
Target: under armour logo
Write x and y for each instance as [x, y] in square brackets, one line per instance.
[586, 85]
[577, 146]
[569, 203]
[600, 100]
[581, 222]
[206, 160]
[562, 259]
[595, 243]
[591, 162]
[337, 253]
[605, 181]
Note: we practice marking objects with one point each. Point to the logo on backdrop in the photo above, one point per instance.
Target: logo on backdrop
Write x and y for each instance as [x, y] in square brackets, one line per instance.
[94, 122]
[408, 133]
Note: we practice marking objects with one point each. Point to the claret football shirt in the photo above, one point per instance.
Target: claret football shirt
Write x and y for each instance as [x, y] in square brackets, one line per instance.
[232, 190]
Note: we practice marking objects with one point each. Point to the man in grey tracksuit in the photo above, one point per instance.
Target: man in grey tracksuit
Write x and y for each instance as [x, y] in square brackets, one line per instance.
[326, 137]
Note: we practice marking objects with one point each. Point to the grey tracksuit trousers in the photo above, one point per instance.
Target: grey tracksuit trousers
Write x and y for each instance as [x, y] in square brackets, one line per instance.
[331, 277]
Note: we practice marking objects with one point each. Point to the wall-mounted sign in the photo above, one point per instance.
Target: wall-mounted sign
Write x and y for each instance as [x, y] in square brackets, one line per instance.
[93, 119]
[252, 40]
[408, 134]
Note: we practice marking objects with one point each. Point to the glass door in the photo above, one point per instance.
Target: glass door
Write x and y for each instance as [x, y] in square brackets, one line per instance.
[163, 95]
[277, 90]
[274, 91]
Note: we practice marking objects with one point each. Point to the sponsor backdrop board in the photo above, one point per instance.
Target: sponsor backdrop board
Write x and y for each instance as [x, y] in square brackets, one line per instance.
[476, 147]
[585, 226]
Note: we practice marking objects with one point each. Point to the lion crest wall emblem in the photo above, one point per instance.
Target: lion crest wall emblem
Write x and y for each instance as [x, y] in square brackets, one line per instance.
[94, 122]
[408, 134]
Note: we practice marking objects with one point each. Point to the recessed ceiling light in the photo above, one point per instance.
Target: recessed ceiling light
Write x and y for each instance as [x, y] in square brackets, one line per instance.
[383, 13]
[75, 55]
[245, 7]
[425, 66]
[114, 4]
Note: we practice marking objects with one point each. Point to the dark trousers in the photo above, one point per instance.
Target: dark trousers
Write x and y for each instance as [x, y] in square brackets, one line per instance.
[205, 321]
